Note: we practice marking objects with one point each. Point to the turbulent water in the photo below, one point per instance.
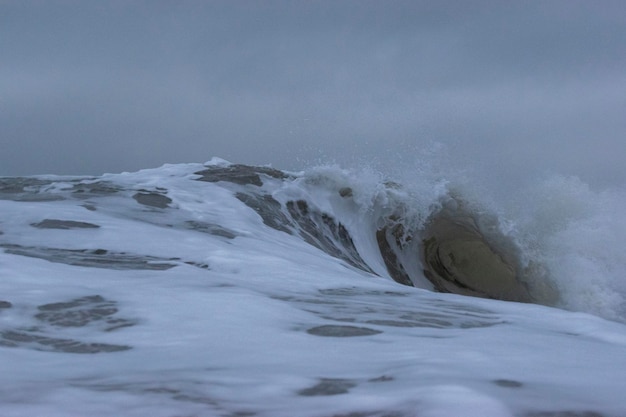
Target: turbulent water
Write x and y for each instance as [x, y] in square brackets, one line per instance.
[220, 289]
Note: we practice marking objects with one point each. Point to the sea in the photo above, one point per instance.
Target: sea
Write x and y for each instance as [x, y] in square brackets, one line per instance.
[223, 289]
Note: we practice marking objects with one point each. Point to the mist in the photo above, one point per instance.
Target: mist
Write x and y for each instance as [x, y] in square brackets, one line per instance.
[510, 91]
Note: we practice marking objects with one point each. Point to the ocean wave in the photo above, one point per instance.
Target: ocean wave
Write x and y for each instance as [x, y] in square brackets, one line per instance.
[552, 250]
[557, 243]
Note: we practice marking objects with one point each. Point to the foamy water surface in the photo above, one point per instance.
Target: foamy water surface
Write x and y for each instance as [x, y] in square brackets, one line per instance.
[174, 291]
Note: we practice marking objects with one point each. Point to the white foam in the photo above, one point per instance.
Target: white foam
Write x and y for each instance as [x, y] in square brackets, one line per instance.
[235, 337]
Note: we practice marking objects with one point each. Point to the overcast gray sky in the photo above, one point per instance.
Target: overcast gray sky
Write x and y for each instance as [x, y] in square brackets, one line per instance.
[88, 87]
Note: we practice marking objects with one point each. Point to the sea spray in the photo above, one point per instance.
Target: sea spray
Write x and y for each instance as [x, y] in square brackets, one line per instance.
[565, 238]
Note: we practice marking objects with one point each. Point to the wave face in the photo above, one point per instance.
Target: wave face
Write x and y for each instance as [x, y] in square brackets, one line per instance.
[447, 239]
[225, 289]
[457, 249]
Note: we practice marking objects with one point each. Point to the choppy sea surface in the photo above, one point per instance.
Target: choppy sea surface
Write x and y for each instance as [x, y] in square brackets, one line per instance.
[219, 289]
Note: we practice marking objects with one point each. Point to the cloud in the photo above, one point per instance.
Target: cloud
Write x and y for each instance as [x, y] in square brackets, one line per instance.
[95, 87]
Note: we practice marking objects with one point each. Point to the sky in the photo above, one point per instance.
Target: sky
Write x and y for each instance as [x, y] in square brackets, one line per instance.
[516, 88]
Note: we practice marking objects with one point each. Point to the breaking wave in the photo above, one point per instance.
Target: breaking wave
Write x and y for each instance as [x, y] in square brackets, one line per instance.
[557, 243]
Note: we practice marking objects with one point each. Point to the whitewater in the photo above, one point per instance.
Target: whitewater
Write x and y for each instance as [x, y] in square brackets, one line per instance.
[221, 289]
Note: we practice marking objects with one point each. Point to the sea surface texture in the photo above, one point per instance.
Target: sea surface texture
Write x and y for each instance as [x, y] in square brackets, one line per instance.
[228, 290]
